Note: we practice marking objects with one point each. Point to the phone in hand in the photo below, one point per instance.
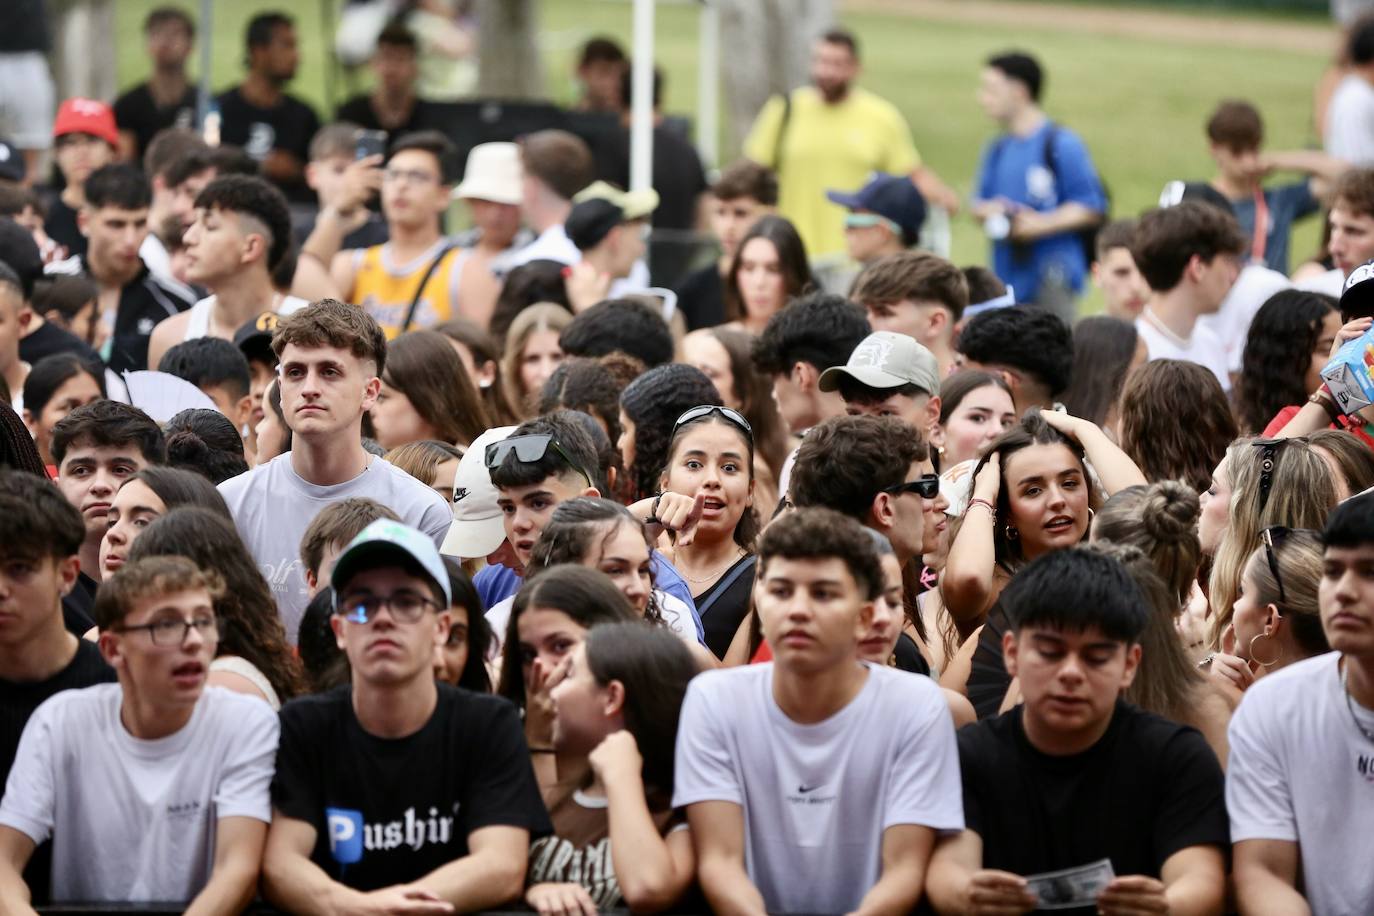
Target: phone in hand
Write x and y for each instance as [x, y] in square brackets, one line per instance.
[370, 143]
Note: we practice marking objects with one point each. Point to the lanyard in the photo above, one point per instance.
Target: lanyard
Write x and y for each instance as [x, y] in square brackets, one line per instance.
[1260, 240]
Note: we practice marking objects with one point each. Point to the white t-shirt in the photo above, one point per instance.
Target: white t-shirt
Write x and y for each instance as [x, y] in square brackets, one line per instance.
[1301, 771]
[272, 506]
[676, 615]
[1349, 133]
[552, 244]
[1204, 348]
[1331, 283]
[817, 798]
[199, 324]
[130, 819]
[1231, 324]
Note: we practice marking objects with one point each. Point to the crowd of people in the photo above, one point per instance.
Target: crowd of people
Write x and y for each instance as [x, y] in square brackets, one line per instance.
[348, 565]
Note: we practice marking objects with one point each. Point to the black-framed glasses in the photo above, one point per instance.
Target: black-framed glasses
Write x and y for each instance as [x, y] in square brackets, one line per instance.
[173, 631]
[928, 485]
[528, 450]
[705, 410]
[406, 607]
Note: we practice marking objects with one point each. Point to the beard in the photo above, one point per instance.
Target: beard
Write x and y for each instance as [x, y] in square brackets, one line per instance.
[832, 90]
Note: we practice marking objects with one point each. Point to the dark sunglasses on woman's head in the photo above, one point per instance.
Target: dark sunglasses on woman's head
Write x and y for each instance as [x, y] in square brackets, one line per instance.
[1272, 538]
[705, 410]
[528, 450]
[928, 485]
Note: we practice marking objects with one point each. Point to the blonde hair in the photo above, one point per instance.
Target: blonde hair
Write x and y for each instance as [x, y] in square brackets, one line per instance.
[1301, 495]
[1299, 559]
[542, 316]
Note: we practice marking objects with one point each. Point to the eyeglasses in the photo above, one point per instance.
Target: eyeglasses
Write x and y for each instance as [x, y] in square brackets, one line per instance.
[869, 220]
[409, 175]
[406, 607]
[173, 631]
[928, 485]
[528, 450]
[706, 410]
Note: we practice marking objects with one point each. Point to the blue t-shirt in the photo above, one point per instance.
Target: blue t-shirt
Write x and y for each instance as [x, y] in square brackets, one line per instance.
[1016, 168]
[496, 583]
[1286, 204]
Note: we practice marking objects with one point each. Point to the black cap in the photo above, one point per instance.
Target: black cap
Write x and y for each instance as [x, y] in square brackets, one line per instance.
[11, 162]
[1357, 297]
[591, 221]
[254, 338]
[20, 252]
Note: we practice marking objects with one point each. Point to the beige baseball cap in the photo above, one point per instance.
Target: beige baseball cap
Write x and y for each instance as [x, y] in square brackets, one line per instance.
[884, 359]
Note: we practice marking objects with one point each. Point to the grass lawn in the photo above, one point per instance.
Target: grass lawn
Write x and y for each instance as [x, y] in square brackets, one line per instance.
[1139, 103]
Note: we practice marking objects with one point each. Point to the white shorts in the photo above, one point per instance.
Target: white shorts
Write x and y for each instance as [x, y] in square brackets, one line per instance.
[26, 100]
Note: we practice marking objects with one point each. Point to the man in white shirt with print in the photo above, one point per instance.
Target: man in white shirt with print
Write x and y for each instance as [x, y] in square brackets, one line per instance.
[155, 789]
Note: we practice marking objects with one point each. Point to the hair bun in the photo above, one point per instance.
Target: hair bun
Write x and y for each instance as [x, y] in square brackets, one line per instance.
[1170, 511]
[186, 445]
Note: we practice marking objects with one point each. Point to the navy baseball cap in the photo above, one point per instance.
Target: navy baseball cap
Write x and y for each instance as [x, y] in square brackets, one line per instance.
[11, 162]
[891, 196]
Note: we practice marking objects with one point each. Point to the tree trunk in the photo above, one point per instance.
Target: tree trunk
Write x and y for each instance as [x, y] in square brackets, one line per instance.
[767, 44]
[509, 66]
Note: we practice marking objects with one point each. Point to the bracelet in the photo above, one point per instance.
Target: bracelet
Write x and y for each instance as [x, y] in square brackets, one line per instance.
[542, 750]
[653, 511]
[980, 501]
[1322, 397]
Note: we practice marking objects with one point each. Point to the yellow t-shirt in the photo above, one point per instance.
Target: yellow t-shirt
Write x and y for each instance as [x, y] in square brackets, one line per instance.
[828, 148]
[385, 290]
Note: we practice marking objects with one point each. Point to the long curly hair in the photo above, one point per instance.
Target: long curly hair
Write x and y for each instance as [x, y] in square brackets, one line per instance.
[249, 625]
[1277, 355]
[653, 402]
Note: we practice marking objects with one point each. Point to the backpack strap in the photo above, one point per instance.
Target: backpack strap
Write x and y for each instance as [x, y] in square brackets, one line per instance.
[424, 281]
[782, 131]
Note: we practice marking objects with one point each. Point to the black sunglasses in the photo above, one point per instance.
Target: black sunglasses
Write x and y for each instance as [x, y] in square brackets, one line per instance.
[705, 410]
[928, 485]
[1271, 537]
[528, 450]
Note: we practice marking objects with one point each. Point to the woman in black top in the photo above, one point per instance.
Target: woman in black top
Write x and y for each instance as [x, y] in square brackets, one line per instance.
[711, 466]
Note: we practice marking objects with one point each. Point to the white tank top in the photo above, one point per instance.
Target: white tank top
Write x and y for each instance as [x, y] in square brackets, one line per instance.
[237, 664]
[199, 323]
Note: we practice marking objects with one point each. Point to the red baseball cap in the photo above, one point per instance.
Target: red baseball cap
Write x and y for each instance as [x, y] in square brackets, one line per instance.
[86, 116]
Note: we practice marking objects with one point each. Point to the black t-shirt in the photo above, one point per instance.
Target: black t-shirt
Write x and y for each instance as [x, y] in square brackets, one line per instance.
[908, 657]
[61, 227]
[18, 700]
[1147, 789]
[701, 298]
[724, 604]
[388, 811]
[137, 112]
[77, 605]
[288, 126]
[48, 339]
[358, 110]
[24, 26]
[143, 302]
[988, 679]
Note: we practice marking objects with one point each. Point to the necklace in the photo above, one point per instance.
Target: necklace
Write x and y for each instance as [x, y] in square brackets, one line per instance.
[714, 574]
[1182, 343]
[1350, 705]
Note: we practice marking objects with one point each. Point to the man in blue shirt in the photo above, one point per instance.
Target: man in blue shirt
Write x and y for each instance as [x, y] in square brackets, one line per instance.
[1036, 189]
[1235, 134]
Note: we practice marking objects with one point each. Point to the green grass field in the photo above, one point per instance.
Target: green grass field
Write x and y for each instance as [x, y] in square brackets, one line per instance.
[1139, 103]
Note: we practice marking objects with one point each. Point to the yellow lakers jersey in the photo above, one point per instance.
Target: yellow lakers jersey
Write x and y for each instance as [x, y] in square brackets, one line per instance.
[385, 290]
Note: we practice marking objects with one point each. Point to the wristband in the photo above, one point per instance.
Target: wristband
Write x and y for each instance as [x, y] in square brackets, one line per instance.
[980, 501]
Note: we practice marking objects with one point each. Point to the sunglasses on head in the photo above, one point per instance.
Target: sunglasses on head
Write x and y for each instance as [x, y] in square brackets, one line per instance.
[928, 485]
[705, 410]
[1272, 538]
[528, 450]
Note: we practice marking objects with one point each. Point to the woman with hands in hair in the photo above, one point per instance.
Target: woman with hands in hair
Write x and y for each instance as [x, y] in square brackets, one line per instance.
[614, 730]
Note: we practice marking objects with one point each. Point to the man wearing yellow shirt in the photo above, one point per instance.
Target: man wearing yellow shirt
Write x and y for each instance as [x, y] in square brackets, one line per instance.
[832, 134]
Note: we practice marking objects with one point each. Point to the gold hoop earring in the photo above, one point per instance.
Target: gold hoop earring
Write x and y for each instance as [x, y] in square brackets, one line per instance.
[1256, 659]
[1011, 533]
